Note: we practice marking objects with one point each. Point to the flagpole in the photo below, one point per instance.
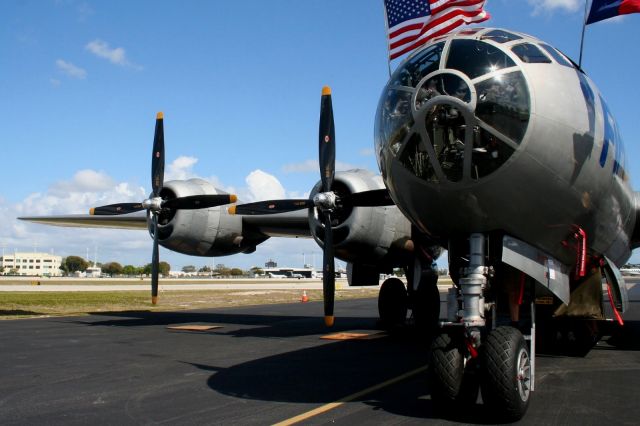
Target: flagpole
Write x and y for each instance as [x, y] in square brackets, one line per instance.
[386, 36]
[584, 25]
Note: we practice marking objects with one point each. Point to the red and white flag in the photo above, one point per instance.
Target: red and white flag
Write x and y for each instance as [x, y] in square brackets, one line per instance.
[411, 23]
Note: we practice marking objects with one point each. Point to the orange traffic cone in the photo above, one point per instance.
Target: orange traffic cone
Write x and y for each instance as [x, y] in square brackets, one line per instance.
[305, 298]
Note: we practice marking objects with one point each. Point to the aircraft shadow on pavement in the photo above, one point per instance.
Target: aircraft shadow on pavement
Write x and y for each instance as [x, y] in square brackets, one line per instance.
[327, 373]
[625, 338]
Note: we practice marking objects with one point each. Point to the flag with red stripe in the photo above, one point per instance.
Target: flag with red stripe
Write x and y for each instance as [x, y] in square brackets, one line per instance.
[411, 23]
[605, 9]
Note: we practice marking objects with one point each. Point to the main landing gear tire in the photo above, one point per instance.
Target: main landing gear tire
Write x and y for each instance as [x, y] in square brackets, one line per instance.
[451, 381]
[392, 303]
[506, 382]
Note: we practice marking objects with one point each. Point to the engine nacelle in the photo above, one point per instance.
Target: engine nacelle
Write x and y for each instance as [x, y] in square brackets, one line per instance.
[202, 232]
[374, 236]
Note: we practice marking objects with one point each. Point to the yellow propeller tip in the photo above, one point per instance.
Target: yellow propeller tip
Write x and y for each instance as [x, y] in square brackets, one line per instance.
[326, 90]
[232, 210]
[154, 300]
[233, 198]
[329, 320]
[160, 116]
[92, 211]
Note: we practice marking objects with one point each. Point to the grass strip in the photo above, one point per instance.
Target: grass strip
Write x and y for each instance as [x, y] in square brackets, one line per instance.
[15, 305]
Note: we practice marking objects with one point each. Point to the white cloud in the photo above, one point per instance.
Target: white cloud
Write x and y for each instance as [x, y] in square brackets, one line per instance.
[260, 185]
[548, 6]
[366, 152]
[86, 180]
[117, 56]
[263, 186]
[70, 69]
[181, 168]
[89, 188]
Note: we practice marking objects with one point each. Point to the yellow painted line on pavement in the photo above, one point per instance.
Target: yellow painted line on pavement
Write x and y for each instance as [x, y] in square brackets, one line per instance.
[193, 327]
[355, 336]
[328, 407]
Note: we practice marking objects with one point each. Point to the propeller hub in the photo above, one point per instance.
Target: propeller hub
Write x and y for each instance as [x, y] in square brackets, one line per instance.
[154, 204]
[325, 201]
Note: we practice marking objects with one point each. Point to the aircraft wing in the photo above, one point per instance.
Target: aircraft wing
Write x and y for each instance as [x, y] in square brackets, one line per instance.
[125, 221]
[289, 224]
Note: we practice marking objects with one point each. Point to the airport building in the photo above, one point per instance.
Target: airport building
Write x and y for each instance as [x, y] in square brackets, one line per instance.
[290, 272]
[31, 264]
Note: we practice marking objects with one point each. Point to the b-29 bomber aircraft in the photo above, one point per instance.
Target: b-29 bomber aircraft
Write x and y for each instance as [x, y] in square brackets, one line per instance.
[492, 145]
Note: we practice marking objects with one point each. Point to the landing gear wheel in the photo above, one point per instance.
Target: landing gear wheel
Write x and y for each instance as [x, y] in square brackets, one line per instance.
[506, 383]
[451, 381]
[392, 303]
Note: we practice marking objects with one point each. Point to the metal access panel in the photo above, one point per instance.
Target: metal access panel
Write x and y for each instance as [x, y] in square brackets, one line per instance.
[538, 265]
[619, 299]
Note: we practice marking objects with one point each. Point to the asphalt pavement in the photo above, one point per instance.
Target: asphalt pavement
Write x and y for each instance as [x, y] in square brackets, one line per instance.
[269, 364]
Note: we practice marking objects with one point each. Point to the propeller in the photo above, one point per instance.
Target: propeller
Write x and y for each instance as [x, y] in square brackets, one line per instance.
[327, 156]
[156, 203]
[326, 201]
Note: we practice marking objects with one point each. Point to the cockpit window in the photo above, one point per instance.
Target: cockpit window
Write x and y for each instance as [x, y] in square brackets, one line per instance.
[476, 58]
[446, 129]
[530, 54]
[489, 153]
[457, 118]
[443, 84]
[559, 57]
[422, 64]
[500, 36]
[396, 119]
[503, 103]
[416, 159]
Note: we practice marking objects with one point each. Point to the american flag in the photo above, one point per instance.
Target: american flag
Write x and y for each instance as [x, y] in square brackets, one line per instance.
[411, 23]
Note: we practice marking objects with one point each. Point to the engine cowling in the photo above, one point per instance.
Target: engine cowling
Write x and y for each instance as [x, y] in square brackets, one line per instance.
[376, 236]
[203, 232]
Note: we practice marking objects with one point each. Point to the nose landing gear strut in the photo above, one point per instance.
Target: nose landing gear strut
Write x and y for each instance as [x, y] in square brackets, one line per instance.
[472, 353]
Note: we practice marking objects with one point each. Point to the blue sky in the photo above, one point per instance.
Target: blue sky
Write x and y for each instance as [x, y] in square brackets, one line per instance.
[239, 84]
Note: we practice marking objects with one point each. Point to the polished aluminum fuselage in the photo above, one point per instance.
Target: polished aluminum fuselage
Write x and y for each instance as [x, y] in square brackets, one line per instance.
[560, 179]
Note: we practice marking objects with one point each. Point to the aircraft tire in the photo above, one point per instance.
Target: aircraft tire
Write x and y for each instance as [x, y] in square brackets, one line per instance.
[451, 382]
[506, 373]
[392, 303]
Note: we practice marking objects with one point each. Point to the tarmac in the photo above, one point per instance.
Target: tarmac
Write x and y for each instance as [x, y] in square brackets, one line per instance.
[270, 364]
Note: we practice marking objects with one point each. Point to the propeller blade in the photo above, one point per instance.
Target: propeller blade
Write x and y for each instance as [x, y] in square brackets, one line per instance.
[193, 202]
[157, 159]
[116, 209]
[155, 262]
[327, 146]
[328, 272]
[271, 207]
[373, 198]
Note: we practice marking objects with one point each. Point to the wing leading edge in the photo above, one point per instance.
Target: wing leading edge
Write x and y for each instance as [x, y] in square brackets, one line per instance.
[127, 221]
